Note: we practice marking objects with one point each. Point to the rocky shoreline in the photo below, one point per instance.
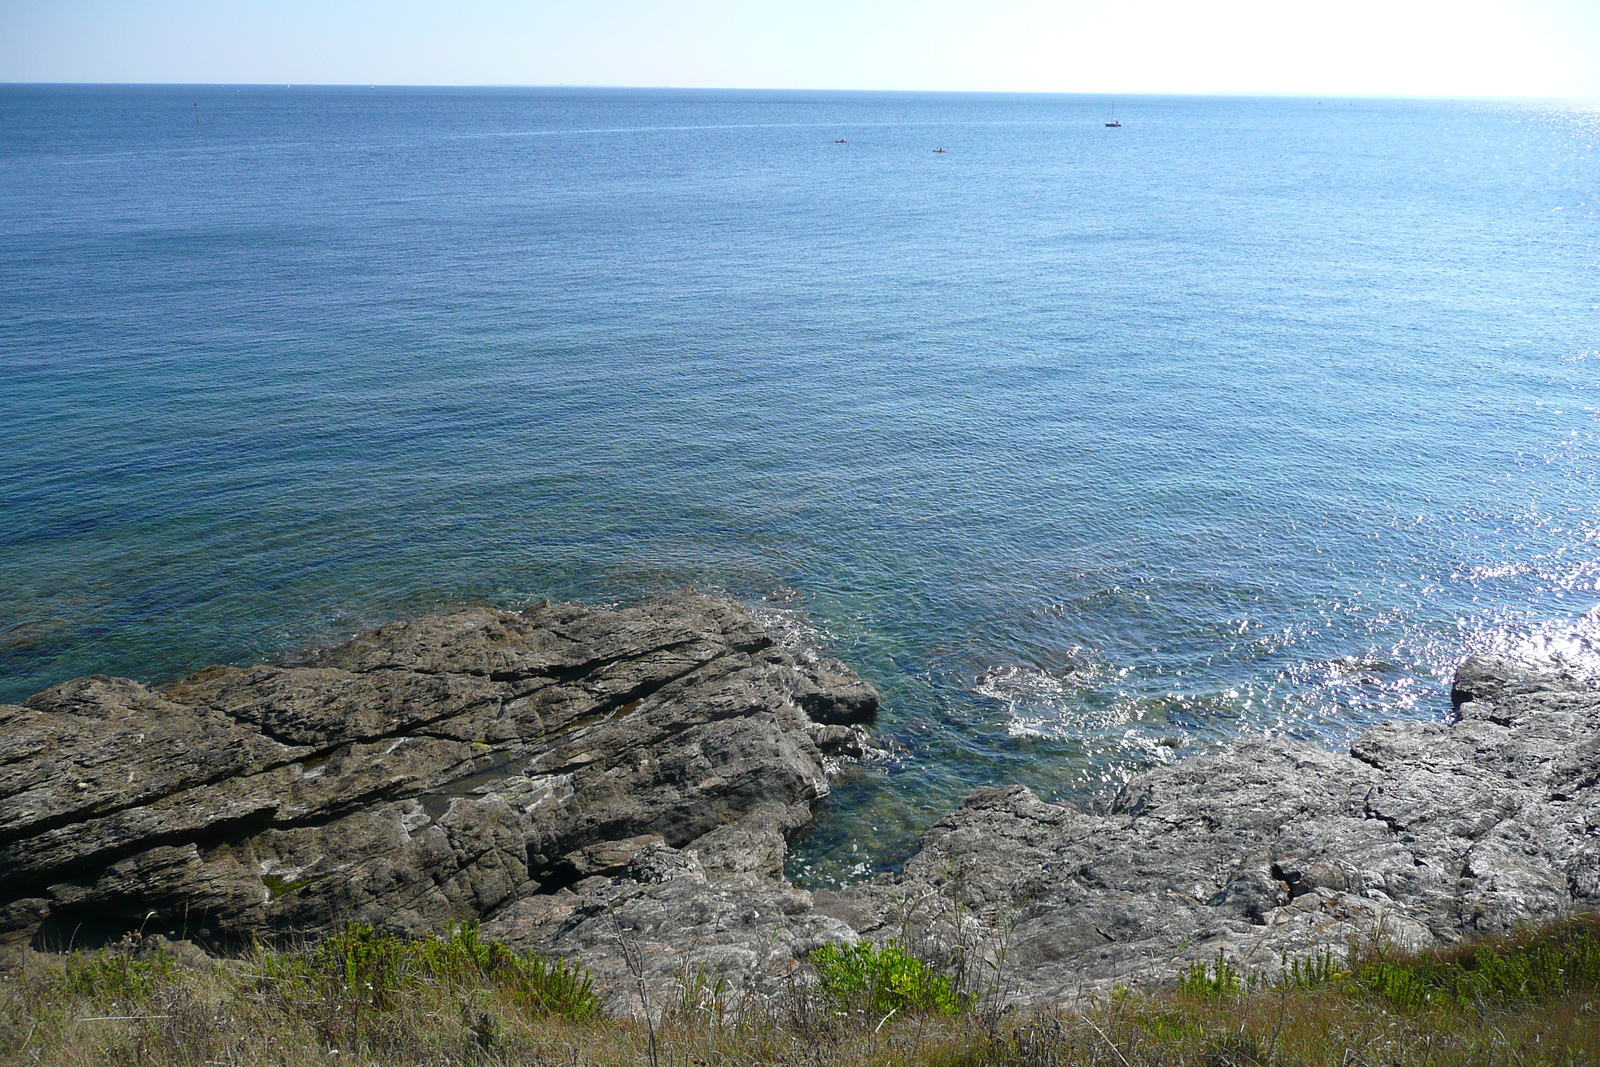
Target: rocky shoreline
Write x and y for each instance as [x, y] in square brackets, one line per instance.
[619, 787]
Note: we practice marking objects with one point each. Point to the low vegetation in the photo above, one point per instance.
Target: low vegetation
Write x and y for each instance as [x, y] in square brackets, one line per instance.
[371, 999]
[880, 980]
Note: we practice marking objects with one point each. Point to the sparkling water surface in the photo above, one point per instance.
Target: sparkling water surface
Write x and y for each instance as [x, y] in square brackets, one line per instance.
[1089, 447]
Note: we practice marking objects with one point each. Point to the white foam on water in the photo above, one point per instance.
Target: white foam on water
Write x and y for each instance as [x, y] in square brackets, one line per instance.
[792, 630]
[1048, 703]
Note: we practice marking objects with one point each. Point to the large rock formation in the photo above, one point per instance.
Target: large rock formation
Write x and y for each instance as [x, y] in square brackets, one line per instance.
[429, 772]
[1422, 834]
[618, 786]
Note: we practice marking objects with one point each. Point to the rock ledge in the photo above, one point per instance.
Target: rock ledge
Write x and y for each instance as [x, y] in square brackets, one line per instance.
[1423, 834]
[619, 787]
[429, 772]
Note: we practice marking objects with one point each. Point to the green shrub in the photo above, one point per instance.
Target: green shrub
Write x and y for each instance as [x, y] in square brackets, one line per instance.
[1310, 972]
[882, 979]
[1220, 980]
[364, 964]
[116, 976]
[1536, 966]
[367, 967]
[1403, 984]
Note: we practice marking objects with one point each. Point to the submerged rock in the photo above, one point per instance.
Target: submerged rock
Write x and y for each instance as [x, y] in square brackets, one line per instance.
[427, 773]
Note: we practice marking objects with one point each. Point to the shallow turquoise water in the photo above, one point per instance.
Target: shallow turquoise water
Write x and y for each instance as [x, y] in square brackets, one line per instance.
[1089, 447]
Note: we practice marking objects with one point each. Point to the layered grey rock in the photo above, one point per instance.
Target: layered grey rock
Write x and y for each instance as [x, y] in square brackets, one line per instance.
[1422, 834]
[429, 772]
[618, 787]
[705, 927]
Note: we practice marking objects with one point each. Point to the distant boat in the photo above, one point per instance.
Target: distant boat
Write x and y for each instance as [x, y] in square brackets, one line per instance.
[841, 141]
[940, 151]
[1114, 122]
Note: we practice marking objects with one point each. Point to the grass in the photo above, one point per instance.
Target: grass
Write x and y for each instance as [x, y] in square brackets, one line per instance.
[369, 999]
[1532, 966]
[377, 971]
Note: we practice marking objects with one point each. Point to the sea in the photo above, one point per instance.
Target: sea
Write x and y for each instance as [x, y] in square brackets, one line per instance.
[1091, 447]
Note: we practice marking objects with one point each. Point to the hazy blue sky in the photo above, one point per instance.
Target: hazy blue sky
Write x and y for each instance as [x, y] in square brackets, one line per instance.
[1400, 47]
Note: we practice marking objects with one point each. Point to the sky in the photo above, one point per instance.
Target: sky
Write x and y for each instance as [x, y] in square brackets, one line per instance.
[1493, 48]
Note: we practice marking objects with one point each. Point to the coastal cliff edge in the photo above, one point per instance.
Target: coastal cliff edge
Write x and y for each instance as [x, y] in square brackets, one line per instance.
[620, 786]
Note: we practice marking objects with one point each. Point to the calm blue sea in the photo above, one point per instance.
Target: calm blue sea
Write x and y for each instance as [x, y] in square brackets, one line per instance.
[1090, 447]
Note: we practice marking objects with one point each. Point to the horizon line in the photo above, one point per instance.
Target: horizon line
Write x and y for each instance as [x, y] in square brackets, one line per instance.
[1222, 93]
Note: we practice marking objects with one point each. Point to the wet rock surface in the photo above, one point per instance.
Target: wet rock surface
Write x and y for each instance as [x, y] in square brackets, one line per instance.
[430, 772]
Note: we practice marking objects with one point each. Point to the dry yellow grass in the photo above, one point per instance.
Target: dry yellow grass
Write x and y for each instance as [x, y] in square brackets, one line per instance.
[286, 1010]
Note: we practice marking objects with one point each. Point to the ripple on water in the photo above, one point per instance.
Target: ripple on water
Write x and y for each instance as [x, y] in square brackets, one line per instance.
[1087, 452]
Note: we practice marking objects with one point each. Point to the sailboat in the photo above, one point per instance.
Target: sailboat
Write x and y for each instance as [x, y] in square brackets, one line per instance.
[1114, 121]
